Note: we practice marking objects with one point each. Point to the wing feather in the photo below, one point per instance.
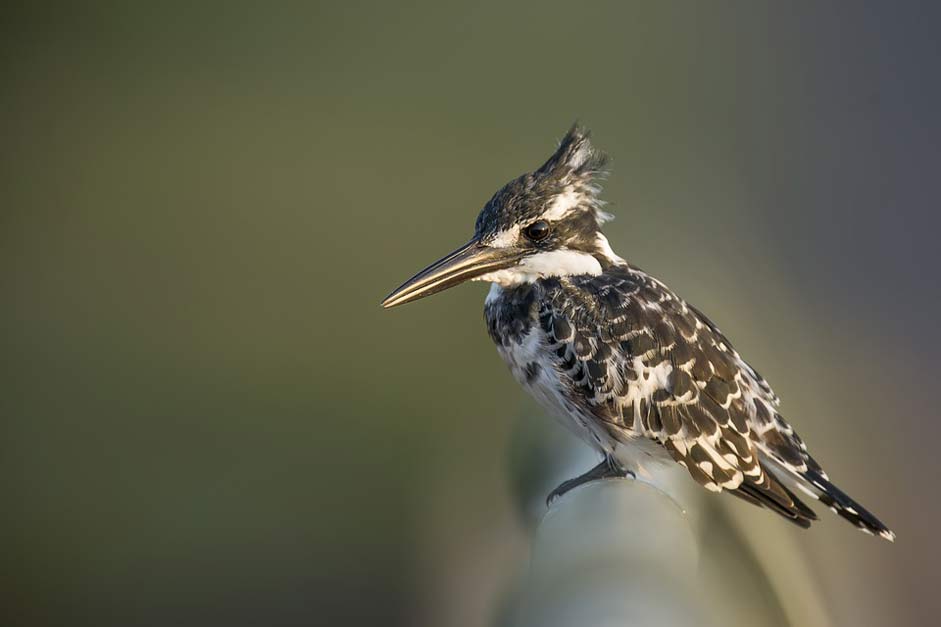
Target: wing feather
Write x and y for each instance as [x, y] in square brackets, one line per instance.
[644, 362]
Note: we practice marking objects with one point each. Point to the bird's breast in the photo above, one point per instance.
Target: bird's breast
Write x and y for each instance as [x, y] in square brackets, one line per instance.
[513, 323]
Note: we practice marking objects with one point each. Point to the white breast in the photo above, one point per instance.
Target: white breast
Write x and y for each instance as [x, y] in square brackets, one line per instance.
[533, 366]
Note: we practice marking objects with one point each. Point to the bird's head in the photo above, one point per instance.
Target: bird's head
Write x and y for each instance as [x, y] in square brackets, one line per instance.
[543, 224]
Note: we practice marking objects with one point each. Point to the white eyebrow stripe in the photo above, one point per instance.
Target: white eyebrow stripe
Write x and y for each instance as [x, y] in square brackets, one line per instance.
[562, 205]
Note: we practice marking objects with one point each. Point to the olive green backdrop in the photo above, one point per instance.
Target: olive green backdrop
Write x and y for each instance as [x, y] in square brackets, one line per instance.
[206, 417]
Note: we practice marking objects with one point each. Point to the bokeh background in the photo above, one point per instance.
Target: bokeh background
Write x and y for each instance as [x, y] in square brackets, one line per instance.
[206, 417]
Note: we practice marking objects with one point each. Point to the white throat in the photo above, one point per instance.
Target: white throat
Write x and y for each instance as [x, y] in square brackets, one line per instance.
[554, 263]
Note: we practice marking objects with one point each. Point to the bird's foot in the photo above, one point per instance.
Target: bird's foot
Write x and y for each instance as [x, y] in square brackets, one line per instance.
[607, 469]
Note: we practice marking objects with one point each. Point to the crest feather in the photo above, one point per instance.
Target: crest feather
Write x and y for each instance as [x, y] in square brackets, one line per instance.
[575, 156]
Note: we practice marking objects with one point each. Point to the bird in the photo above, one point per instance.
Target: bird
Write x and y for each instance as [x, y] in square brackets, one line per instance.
[631, 368]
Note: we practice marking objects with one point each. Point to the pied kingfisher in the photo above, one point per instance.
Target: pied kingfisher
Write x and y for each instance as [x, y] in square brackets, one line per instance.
[629, 366]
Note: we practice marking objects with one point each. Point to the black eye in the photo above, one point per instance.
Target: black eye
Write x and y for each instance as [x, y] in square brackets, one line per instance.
[537, 231]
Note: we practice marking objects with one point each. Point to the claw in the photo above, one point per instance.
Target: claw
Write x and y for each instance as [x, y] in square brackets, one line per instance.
[609, 468]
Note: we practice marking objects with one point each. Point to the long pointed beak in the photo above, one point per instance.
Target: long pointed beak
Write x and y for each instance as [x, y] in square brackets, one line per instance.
[467, 262]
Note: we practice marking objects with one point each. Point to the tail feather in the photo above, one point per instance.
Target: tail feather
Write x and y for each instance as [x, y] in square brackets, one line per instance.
[814, 482]
[845, 507]
[768, 492]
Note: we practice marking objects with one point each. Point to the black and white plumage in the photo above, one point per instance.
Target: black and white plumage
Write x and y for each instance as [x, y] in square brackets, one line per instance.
[626, 364]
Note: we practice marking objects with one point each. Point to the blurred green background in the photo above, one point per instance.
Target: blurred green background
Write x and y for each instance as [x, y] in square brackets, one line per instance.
[207, 419]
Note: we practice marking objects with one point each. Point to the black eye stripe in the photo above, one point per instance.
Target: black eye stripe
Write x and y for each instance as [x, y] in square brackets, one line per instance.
[537, 231]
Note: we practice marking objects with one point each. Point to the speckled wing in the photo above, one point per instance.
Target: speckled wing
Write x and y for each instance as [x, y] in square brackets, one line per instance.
[645, 364]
